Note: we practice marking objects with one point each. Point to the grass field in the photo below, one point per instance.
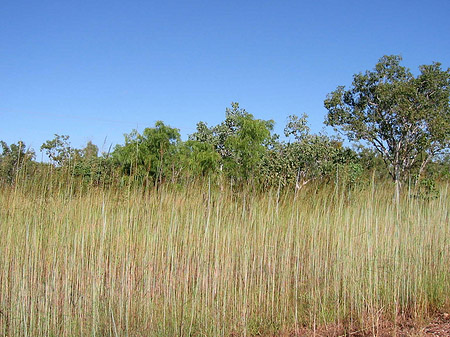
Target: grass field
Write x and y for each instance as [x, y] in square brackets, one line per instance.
[201, 261]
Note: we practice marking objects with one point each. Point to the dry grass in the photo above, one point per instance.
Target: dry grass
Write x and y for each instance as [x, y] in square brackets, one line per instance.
[205, 262]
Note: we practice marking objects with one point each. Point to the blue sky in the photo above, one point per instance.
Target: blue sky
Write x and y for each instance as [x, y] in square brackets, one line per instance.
[97, 69]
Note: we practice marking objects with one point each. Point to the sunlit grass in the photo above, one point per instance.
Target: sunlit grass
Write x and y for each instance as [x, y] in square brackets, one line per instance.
[205, 261]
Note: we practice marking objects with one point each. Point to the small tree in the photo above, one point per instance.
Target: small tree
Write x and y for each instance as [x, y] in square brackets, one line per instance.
[90, 151]
[88, 165]
[59, 149]
[239, 140]
[149, 153]
[306, 158]
[197, 158]
[312, 155]
[405, 118]
[12, 159]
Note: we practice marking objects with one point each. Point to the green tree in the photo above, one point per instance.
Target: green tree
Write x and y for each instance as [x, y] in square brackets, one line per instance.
[150, 154]
[90, 151]
[297, 127]
[405, 118]
[59, 150]
[308, 157]
[197, 158]
[88, 164]
[240, 141]
[13, 159]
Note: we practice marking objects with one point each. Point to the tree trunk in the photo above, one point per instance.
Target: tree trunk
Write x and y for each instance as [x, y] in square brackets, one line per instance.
[398, 184]
[397, 191]
[422, 168]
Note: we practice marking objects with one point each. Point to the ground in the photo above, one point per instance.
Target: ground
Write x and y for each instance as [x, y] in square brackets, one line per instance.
[438, 326]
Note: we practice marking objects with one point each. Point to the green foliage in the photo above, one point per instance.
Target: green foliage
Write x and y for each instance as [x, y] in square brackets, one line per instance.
[308, 158]
[198, 158]
[92, 167]
[13, 159]
[440, 167]
[150, 154]
[349, 174]
[246, 145]
[427, 189]
[84, 163]
[90, 151]
[240, 140]
[203, 134]
[59, 149]
[297, 127]
[405, 118]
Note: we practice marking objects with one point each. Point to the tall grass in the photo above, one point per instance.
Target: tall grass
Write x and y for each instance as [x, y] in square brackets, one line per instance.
[202, 261]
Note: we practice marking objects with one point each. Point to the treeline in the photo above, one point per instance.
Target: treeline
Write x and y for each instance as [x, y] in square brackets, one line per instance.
[240, 150]
[405, 120]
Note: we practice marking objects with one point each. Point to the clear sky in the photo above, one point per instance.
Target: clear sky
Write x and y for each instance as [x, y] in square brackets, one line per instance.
[97, 69]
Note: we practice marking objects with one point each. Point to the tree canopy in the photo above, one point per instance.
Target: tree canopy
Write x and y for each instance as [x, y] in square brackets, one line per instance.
[406, 118]
[148, 154]
[240, 140]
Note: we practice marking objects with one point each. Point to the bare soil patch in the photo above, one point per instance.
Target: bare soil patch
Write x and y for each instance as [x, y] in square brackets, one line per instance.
[438, 326]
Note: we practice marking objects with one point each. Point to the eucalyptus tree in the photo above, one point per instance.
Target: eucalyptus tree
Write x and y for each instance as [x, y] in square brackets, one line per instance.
[406, 118]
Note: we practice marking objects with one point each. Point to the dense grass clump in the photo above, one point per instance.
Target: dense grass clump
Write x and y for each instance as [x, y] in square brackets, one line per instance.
[209, 261]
